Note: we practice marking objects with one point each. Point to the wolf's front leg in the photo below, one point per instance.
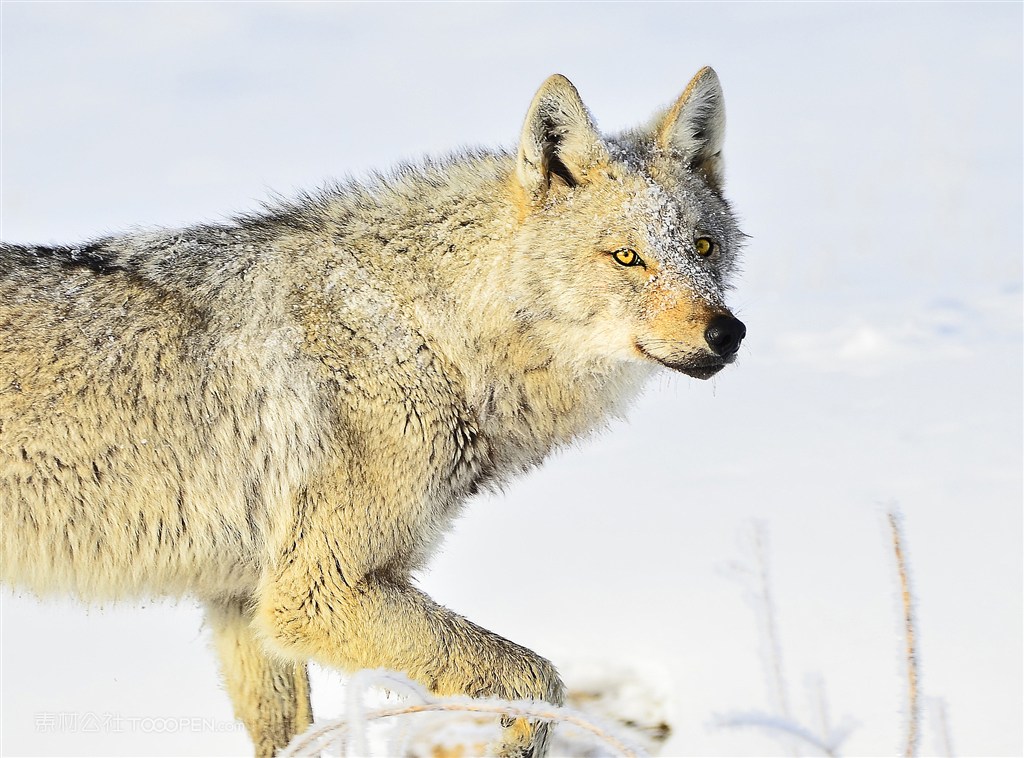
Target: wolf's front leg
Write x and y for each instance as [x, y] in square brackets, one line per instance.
[382, 621]
[270, 694]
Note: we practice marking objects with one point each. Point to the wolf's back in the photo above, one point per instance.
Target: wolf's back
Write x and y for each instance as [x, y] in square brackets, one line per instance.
[130, 427]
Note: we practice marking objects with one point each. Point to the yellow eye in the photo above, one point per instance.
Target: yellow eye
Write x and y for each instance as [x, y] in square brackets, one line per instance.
[627, 257]
[704, 246]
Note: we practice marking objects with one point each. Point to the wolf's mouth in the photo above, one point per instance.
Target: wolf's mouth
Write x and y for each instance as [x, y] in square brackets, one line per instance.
[700, 366]
[697, 372]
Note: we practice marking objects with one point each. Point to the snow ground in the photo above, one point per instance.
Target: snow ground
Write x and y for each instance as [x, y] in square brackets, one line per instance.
[874, 153]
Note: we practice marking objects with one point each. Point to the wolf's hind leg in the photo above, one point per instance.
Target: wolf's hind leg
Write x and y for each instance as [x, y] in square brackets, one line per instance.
[270, 694]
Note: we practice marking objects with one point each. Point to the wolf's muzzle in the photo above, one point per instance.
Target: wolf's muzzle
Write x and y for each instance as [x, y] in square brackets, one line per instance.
[724, 335]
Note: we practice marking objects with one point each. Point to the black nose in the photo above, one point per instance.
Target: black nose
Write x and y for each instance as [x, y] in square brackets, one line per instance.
[724, 335]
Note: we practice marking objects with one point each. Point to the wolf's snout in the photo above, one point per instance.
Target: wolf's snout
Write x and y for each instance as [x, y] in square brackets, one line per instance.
[724, 335]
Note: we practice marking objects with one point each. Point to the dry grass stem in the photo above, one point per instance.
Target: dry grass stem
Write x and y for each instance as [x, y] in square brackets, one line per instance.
[913, 704]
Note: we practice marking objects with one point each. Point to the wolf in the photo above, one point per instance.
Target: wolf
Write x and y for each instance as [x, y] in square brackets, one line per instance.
[280, 415]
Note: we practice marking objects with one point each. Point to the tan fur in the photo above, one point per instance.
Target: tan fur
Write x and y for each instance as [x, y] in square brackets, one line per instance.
[282, 415]
[270, 694]
[701, 96]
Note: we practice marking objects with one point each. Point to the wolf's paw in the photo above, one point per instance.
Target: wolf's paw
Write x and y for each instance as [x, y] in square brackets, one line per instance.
[523, 738]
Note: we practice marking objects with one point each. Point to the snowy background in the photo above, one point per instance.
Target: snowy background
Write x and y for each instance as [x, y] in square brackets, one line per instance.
[874, 155]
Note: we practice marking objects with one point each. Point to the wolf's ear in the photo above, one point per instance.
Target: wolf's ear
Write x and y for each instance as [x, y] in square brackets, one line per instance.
[559, 144]
[693, 129]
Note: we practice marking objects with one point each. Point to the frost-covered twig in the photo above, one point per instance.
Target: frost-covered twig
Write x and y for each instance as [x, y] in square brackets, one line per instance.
[913, 706]
[816, 690]
[939, 719]
[782, 724]
[351, 730]
[771, 627]
[827, 745]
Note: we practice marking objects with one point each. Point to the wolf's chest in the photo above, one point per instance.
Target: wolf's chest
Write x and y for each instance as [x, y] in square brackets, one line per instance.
[521, 419]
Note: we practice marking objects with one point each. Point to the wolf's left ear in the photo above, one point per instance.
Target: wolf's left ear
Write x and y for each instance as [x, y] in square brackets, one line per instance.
[559, 144]
[693, 129]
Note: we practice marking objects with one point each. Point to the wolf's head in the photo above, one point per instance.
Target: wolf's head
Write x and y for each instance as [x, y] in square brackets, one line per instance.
[627, 239]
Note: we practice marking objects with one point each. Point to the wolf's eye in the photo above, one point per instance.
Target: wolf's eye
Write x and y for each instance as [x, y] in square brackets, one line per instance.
[627, 257]
[705, 246]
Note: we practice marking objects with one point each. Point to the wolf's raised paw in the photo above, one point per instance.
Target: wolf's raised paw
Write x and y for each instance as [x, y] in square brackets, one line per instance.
[523, 738]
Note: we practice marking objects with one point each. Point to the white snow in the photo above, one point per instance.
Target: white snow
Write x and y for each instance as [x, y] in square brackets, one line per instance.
[874, 154]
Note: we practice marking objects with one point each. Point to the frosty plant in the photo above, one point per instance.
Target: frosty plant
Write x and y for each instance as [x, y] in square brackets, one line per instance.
[780, 724]
[827, 740]
[895, 519]
[350, 736]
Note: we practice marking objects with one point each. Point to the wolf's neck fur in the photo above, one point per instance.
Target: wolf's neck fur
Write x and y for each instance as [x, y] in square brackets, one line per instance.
[443, 242]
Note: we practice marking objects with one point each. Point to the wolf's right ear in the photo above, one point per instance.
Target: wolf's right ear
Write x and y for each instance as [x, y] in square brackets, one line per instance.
[560, 144]
[693, 129]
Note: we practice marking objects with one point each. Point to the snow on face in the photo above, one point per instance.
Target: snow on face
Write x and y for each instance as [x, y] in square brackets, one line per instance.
[671, 219]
